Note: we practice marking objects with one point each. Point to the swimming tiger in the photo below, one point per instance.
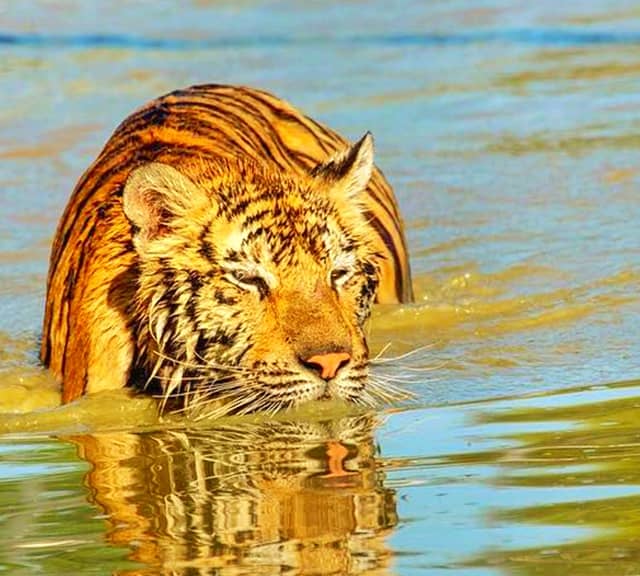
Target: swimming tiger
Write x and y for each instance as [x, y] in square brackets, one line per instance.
[223, 245]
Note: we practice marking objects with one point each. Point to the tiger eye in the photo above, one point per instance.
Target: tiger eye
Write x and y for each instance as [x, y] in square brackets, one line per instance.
[251, 280]
[338, 274]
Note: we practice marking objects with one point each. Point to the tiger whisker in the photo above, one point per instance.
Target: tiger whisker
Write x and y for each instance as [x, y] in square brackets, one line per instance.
[388, 391]
[378, 360]
[382, 351]
[359, 400]
[205, 366]
[193, 379]
[240, 397]
[180, 394]
[396, 377]
[391, 380]
[243, 405]
[228, 367]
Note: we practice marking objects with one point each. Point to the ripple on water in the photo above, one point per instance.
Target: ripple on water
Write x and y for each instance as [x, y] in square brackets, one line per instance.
[510, 132]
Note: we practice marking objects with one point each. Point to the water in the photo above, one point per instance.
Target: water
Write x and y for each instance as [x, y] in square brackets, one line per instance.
[510, 132]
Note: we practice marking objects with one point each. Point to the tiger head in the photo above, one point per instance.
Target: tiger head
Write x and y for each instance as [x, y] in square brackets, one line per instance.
[254, 286]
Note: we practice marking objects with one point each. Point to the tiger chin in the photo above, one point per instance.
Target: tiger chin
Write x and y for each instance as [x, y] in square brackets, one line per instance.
[224, 250]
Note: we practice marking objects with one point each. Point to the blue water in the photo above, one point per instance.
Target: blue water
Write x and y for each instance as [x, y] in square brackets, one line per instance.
[510, 132]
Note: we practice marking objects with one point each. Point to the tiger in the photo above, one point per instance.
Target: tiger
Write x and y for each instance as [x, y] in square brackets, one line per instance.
[223, 246]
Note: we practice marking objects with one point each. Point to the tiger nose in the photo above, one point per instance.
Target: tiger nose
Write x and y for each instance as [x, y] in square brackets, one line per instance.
[328, 364]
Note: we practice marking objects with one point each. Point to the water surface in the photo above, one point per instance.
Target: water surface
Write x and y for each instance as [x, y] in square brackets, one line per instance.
[510, 132]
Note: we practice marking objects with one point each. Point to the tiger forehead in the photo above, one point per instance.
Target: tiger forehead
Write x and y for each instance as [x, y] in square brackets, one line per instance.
[278, 198]
[276, 217]
[282, 238]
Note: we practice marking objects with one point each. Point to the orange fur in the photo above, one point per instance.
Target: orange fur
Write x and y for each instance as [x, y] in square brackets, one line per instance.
[208, 232]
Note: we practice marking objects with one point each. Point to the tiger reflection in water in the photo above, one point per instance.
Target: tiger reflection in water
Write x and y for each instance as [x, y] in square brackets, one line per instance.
[270, 498]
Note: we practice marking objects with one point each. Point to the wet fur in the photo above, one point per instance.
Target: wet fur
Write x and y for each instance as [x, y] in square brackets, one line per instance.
[196, 257]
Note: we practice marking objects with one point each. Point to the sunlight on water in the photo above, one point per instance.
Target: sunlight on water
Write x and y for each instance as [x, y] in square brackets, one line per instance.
[510, 133]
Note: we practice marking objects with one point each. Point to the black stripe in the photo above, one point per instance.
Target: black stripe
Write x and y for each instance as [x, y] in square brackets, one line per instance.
[336, 141]
[242, 129]
[70, 284]
[389, 243]
[243, 106]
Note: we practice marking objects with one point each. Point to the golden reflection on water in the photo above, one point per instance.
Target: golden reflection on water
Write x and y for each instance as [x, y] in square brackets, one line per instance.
[300, 496]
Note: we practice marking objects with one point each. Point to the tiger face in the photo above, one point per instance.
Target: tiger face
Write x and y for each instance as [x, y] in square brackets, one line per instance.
[254, 287]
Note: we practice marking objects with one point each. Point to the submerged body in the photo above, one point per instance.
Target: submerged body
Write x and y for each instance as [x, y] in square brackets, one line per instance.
[223, 245]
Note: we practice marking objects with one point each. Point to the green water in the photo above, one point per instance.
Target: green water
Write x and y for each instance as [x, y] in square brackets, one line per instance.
[510, 131]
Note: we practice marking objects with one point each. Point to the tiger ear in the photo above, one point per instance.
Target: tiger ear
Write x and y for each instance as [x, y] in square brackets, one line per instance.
[155, 195]
[350, 170]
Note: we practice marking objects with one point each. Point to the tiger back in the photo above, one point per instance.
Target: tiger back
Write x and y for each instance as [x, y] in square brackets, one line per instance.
[99, 329]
